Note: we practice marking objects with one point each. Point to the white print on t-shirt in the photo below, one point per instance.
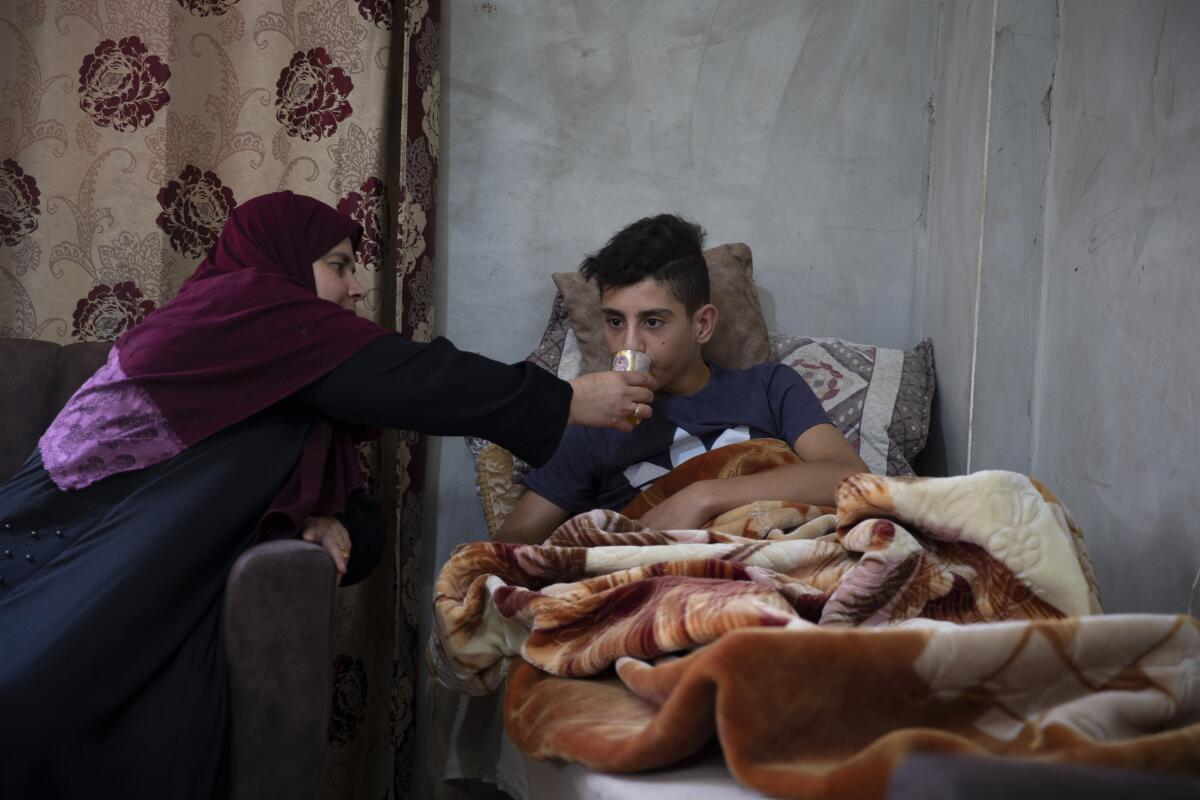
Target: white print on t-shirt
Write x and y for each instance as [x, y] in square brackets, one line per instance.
[686, 446]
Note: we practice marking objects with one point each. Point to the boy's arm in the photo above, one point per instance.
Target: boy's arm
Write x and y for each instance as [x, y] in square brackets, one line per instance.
[826, 458]
[532, 520]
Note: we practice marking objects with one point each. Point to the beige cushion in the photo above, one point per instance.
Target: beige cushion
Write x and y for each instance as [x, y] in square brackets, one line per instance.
[740, 340]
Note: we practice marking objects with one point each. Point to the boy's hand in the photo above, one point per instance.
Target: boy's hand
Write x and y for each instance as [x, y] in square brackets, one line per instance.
[687, 509]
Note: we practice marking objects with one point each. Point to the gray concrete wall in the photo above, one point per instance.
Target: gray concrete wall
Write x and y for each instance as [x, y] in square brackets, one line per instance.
[797, 127]
[982, 295]
[1062, 278]
[1117, 387]
[950, 278]
[1025, 38]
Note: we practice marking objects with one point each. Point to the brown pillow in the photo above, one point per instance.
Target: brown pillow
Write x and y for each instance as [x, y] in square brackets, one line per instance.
[740, 340]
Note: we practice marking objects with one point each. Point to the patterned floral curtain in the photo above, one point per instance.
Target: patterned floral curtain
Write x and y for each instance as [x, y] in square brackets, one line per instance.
[129, 129]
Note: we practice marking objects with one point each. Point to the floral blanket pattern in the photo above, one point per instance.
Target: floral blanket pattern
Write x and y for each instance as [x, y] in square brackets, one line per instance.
[949, 614]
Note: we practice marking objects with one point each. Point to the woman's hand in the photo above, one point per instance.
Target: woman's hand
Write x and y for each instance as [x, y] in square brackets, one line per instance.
[333, 536]
[611, 399]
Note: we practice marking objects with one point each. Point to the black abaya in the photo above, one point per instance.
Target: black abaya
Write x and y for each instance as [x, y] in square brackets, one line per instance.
[112, 674]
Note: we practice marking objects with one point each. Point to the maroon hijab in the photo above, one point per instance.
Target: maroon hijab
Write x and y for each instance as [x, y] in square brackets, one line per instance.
[246, 330]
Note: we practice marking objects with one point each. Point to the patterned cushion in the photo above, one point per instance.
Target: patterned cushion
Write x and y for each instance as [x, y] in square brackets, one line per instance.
[496, 484]
[879, 398]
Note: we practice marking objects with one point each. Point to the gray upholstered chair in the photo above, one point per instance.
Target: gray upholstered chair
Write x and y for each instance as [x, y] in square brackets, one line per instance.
[278, 599]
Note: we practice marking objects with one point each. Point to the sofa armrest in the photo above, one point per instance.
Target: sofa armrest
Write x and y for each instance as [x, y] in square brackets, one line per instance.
[279, 603]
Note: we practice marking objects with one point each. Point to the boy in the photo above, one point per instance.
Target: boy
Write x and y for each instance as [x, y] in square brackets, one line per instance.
[655, 298]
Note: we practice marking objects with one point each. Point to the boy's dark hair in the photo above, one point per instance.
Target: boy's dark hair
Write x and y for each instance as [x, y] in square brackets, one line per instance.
[667, 248]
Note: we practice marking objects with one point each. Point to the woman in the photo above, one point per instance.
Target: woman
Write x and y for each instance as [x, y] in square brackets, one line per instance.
[228, 415]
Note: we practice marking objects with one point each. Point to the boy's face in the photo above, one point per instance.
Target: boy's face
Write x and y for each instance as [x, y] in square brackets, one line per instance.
[646, 316]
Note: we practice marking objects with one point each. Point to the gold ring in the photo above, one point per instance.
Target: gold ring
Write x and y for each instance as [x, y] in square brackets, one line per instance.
[636, 406]
[345, 552]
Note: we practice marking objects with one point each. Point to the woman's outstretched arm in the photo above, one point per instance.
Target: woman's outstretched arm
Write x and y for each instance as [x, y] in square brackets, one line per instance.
[437, 389]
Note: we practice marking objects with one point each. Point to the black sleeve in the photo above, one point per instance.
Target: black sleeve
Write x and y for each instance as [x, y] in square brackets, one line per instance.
[363, 519]
[437, 389]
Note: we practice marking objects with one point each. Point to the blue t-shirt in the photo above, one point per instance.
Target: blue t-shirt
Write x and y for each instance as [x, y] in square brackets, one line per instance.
[604, 468]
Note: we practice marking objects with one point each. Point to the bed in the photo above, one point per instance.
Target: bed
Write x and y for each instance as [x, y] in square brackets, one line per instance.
[478, 756]
[798, 588]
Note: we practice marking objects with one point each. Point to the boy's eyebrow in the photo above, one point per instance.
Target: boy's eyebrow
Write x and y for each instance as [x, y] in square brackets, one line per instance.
[649, 312]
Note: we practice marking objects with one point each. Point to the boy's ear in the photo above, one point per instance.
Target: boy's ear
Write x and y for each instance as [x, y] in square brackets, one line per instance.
[704, 322]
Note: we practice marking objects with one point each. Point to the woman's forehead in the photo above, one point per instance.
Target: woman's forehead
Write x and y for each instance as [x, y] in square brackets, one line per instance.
[343, 248]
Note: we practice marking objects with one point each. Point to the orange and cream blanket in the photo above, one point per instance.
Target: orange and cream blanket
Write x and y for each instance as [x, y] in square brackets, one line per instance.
[820, 646]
